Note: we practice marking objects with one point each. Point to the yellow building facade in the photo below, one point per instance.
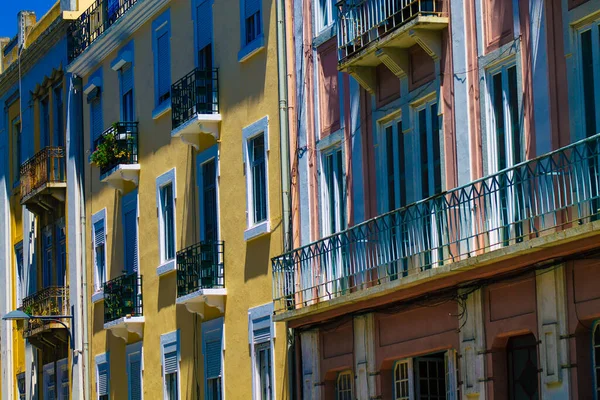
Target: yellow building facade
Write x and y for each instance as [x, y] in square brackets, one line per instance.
[183, 207]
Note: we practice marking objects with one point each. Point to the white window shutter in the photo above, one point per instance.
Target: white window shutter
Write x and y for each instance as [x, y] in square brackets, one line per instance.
[102, 383]
[450, 363]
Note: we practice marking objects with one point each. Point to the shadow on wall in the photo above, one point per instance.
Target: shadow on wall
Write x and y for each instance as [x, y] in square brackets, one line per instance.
[257, 257]
[117, 264]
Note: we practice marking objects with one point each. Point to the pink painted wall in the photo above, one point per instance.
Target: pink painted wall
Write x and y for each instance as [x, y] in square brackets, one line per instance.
[328, 87]
[498, 23]
[337, 350]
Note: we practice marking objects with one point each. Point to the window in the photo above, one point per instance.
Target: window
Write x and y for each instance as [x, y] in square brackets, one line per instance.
[325, 14]
[165, 201]
[130, 231]
[212, 339]
[208, 187]
[343, 386]
[161, 36]
[61, 253]
[102, 376]
[16, 147]
[252, 20]
[522, 360]
[99, 238]
[170, 361]
[255, 158]
[44, 122]
[59, 132]
[19, 272]
[62, 379]
[21, 385]
[596, 359]
[589, 39]
[204, 33]
[329, 88]
[261, 335]
[127, 106]
[49, 381]
[134, 370]
[333, 192]
[47, 257]
[430, 377]
[96, 120]
[429, 149]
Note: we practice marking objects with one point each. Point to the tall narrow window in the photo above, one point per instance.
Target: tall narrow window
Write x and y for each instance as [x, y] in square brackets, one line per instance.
[19, 274]
[47, 257]
[61, 253]
[334, 191]
[168, 221]
[263, 368]
[260, 335]
[522, 360]
[59, 129]
[130, 231]
[252, 19]
[100, 253]
[209, 201]
[164, 67]
[127, 106]
[96, 119]
[588, 71]
[45, 122]
[596, 359]
[325, 14]
[212, 337]
[49, 381]
[170, 362]
[402, 381]
[62, 379]
[21, 385]
[259, 178]
[343, 389]
[134, 370]
[16, 148]
[102, 376]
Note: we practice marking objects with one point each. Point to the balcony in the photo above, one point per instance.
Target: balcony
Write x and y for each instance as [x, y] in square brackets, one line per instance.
[93, 22]
[49, 301]
[123, 306]
[43, 180]
[553, 199]
[371, 32]
[116, 155]
[195, 106]
[200, 277]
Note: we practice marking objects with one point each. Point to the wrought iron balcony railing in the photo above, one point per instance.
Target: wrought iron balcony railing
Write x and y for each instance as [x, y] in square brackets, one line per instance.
[364, 21]
[200, 266]
[119, 145]
[123, 297]
[536, 197]
[52, 300]
[47, 166]
[196, 93]
[93, 22]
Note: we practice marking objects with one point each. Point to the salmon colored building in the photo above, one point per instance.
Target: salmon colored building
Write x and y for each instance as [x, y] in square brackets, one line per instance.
[445, 200]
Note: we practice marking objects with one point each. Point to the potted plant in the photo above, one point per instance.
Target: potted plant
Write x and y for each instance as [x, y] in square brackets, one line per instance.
[110, 152]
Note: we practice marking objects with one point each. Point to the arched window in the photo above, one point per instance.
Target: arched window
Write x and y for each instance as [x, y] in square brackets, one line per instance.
[596, 358]
[343, 387]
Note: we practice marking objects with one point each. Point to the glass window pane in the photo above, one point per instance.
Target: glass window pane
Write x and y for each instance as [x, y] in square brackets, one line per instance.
[587, 69]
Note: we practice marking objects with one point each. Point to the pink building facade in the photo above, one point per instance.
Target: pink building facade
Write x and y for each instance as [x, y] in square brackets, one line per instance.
[445, 160]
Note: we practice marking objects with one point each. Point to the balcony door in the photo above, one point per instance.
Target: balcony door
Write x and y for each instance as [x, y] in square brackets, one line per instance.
[204, 37]
[47, 257]
[130, 232]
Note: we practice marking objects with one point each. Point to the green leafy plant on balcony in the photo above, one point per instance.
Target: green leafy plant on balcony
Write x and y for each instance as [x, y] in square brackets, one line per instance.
[110, 151]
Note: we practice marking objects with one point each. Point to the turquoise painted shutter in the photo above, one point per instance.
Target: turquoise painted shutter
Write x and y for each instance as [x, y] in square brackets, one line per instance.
[126, 78]
[251, 7]
[103, 380]
[170, 362]
[96, 118]
[135, 370]
[164, 65]
[204, 24]
[212, 336]
[130, 231]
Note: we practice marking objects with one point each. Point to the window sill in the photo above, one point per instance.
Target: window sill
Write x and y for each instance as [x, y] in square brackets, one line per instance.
[257, 230]
[98, 296]
[161, 109]
[167, 267]
[252, 48]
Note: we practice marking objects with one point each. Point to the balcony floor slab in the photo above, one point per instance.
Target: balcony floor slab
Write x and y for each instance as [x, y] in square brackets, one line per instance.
[202, 124]
[121, 174]
[123, 326]
[195, 301]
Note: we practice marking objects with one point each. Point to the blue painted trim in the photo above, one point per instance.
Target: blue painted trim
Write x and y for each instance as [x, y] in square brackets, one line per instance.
[167, 340]
[255, 314]
[129, 351]
[160, 25]
[168, 177]
[195, 4]
[99, 216]
[124, 56]
[212, 331]
[207, 155]
[161, 109]
[102, 358]
[251, 48]
[126, 53]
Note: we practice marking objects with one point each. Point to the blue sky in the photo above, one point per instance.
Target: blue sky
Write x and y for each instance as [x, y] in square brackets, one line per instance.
[10, 8]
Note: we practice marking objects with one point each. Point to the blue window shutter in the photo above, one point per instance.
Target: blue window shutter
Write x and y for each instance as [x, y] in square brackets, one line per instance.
[251, 7]
[164, 64]
[102, 379]
[135, 370]
[170, 362]
[96, 118]
[204, 24]
[126, 78]
[213, 359]
[99, 235]
[130, 231]
[212, 337]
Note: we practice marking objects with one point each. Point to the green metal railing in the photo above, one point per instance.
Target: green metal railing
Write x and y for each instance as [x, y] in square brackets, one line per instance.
[200, 266]
[123, 297]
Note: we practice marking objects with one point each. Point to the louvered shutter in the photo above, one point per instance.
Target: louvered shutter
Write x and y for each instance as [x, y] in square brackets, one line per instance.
[102, 380]
[204, 24]
[135, 369]
[126, 78]
[261, 329]
[96, 118]
[212, 346]
[164, 65]
[130, 231]
[251, 7]
[170, 361]
[99, 236]
[213, 359]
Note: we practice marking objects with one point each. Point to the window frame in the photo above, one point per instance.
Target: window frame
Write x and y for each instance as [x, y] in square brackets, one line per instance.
[450, 374]
[168, 340]
[20, 290]
[44, 120]
[261, 332]
[102, 360]
[210, 154]
[344, 373]
[49, 378]
[320, 26]
[211, 330]
[17, 130]
[426, 104]
[248, 134]
[134, 352]
[410, 379]
[249, 48]
[58, 138]
[20, 378]
[99, 217]
[594, 27]
[93, 92]
[339, 197]
[166, 264]
[62, 366]
[161, 26]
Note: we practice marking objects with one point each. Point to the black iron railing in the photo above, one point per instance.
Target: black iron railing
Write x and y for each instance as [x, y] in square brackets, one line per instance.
[46, 166]
[117, 145]
[123, 297]
[93, 22]
[200, 266]
[53, 300]
[362, 22]
[534, 198]
[195, 93]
